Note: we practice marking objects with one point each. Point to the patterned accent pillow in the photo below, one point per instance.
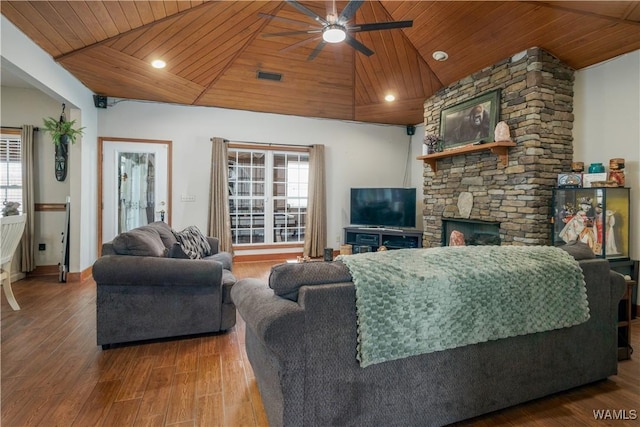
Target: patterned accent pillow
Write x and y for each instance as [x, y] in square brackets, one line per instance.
[193, 243]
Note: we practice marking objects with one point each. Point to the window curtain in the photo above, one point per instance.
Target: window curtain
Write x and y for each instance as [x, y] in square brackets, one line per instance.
[219, 220]
[28, 203]
[315, 236]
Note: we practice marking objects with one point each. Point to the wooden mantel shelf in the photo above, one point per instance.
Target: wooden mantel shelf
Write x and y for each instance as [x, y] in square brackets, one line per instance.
[501, 149]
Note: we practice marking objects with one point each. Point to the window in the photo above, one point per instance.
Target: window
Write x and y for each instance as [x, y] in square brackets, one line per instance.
[268, 191]
[10, 169]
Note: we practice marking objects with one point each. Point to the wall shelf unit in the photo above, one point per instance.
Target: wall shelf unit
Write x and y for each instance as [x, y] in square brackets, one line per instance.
[501, 149]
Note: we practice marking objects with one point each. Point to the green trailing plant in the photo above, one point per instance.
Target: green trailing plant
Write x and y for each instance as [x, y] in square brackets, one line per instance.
[57, 129]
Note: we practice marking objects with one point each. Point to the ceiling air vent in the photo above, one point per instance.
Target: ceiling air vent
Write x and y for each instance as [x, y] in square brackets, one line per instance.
[265, 75]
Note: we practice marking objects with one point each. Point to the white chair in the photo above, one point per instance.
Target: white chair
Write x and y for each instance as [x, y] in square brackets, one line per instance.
[11, 229]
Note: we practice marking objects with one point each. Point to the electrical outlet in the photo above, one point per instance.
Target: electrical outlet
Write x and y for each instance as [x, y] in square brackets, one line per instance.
[42, 246]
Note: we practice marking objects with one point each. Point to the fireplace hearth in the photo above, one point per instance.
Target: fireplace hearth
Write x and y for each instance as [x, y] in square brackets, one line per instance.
[456, 232]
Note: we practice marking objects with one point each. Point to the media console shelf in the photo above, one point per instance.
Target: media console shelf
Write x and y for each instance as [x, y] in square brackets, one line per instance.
[501, 149]
[391, 238]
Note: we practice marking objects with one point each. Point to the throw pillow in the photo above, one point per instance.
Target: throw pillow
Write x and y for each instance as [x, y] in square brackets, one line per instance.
[165, 232]
[193, 243]
[175, 251]
[139, 242]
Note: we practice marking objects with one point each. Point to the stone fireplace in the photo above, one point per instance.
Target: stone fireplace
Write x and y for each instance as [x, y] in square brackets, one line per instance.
[536, 102]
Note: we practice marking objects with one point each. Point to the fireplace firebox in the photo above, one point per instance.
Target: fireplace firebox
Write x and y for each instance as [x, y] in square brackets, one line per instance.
[470, 232]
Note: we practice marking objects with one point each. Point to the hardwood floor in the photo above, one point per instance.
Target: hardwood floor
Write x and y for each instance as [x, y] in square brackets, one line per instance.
[54, 374]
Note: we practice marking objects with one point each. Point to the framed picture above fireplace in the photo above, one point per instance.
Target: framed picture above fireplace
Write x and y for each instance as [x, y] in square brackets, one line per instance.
[470, 122]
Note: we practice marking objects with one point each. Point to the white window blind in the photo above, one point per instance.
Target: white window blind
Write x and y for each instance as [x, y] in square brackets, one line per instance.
[10, 169]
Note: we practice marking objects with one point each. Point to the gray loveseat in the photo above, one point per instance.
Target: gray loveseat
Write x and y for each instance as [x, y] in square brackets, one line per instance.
[301, 341]
[148, 288]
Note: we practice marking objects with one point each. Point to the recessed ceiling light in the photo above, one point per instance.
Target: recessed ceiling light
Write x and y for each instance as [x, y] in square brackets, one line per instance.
[440, 55]
[389, 98]
[158, 63]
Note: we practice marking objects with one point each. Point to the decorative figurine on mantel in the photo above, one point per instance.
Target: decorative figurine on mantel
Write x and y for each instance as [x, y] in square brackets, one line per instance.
[502, 132]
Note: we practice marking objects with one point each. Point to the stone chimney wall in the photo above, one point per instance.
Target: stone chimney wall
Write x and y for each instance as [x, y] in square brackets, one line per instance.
[537, 104]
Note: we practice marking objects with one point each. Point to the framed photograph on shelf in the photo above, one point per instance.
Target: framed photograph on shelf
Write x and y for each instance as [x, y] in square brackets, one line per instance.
[471, 121]
[570, 180]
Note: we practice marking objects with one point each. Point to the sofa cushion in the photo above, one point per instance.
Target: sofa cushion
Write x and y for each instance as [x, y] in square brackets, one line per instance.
[175, 251]
[193, 243]
[223, 257]
[578, 250]
[286, 279]
[165, 232]
[144, 241]
[228, 280]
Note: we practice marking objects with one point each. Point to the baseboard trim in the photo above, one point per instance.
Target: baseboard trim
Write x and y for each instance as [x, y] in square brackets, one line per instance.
[53, 270]
[273, 257]
[267, 257]
[44, 270]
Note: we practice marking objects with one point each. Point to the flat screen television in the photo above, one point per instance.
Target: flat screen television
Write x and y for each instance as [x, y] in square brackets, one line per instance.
[383, 207]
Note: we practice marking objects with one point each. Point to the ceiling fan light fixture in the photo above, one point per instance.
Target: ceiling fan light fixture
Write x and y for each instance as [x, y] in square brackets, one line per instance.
[334, 33]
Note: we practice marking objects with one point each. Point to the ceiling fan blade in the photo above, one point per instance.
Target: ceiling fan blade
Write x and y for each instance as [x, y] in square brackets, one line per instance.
[316, 51]
[278, 18]
[307, 11]
[349, 10]
[291, 33]
[300, 43]
[358, 46]
[380, 26]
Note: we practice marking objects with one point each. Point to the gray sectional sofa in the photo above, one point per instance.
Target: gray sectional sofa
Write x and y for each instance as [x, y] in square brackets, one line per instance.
[147, 288]
[301, 339]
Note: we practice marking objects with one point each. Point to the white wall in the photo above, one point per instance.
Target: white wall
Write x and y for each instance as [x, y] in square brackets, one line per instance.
[29, 106]
[607, 124]
[357, 154]
[24, 58]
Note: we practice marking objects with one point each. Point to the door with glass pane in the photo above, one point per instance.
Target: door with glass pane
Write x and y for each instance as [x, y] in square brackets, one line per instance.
[135, 185]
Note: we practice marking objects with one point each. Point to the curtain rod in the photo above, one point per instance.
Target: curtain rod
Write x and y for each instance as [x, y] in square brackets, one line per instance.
[271, 144]
[14, 127]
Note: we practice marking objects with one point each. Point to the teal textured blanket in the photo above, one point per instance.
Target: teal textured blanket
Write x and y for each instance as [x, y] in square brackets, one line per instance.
[414, 301]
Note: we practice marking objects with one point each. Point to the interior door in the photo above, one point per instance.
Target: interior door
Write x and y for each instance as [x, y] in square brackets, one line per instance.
[135, 183]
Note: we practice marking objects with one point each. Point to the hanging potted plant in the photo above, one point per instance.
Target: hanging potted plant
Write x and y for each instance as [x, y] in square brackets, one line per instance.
[62, 132]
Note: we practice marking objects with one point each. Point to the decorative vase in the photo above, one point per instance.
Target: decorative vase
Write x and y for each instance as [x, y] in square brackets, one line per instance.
[596, 168]
[61, 156]
[427, 149]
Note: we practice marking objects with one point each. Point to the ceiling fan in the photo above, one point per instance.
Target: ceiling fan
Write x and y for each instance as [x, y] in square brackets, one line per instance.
[334, 28]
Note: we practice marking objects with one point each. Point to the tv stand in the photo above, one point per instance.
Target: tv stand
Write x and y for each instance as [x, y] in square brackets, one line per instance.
[391, 238]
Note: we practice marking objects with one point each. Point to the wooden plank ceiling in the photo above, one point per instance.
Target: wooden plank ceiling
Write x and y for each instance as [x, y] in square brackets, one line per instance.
[214, 49]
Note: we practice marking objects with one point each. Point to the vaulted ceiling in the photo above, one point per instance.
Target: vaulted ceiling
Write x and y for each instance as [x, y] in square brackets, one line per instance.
[214, 49]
